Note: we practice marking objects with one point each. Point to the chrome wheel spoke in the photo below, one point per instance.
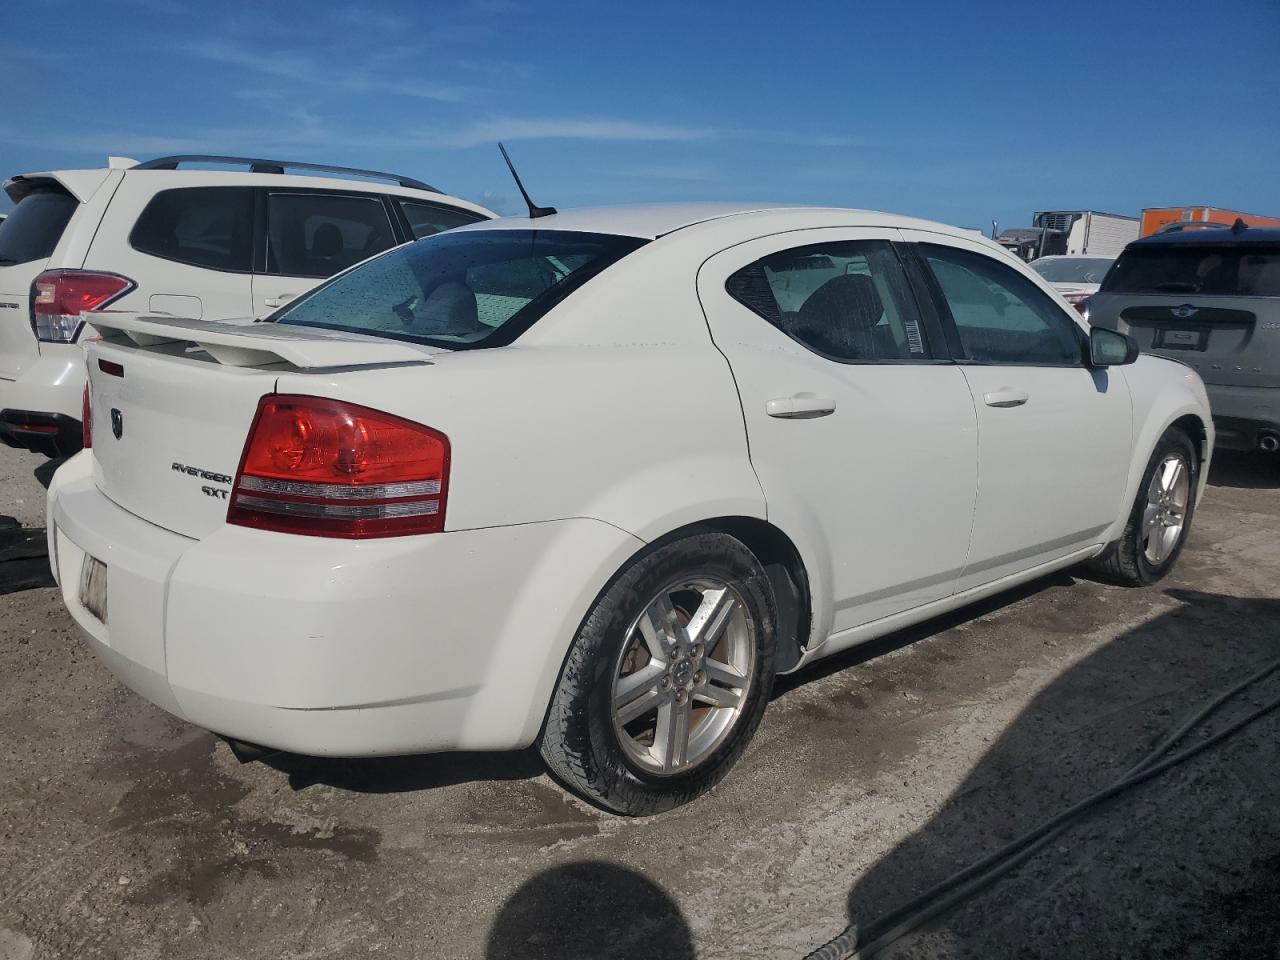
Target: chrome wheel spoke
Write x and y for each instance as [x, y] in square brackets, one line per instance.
[661, 628]
[638, 693]
[1150, 521]
[671, 737]
[711, 617]
[725, 674]
[718, 696]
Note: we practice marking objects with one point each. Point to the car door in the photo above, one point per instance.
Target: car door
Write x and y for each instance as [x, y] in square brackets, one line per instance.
[863, 439]
[190, 250]
[1053, 434]
[313, 234]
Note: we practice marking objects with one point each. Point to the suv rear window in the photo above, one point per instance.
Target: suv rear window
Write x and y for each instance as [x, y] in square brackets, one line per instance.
[474, 288]
[1243, 270]
[35, 225]
[209, 227]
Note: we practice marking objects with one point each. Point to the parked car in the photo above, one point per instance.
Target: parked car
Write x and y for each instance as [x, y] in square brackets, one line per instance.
[162, 238]
[1076, 278]
[588, 481]
[1209, 299]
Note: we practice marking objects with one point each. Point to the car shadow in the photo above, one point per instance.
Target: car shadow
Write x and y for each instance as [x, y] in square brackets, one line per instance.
[44, 473]
[1253, 471]
[24, 557]
[1153, 873]
[589, 910]
[405, 774]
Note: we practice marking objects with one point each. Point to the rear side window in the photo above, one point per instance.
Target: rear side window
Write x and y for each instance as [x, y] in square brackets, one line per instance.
[1000, 315]
[34, 227]
[426, 219]
[1245, 270]
[848, 300]
[318, 235]
[473, 288]
[209, 227]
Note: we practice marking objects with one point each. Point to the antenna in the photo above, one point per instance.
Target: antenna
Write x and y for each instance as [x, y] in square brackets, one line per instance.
[534, 210]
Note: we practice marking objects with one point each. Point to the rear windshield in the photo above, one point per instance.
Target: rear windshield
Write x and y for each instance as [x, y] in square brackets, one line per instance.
[35, 225]
[1251, 270]
[1072, 269]
[475, 288]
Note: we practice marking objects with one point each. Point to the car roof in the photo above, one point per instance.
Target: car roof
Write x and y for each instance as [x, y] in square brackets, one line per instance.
[1199, 238]
[649, 221]
[83, 182]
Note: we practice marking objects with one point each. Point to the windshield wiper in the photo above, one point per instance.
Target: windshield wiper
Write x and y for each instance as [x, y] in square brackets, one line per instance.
[4, 260]
[1178, 286]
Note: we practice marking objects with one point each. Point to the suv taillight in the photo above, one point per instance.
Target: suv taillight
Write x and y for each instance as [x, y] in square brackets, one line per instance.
[58, 297]
[86, 423]
[330, 469]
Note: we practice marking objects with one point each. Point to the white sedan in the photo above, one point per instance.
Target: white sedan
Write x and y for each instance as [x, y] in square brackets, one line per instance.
[589, 481]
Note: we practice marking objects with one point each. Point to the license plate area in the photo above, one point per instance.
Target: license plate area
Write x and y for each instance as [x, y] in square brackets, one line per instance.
[1181, 338]
[93, 587]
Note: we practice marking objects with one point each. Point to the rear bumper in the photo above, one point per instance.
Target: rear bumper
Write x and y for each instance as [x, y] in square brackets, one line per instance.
[1242, 415]
[335, 648]
[47, 393]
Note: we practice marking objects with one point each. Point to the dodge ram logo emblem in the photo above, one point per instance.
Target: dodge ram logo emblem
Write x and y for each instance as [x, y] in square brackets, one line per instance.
[117, 422]
[1184, 312]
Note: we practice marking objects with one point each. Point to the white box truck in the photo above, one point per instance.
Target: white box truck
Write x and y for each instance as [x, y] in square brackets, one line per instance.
[1071, 233]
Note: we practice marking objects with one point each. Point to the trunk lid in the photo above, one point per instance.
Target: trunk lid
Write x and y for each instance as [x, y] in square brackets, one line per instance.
[1230, 341]
[173, 400]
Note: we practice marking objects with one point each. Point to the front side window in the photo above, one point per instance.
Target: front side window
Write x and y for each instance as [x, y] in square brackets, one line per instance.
[1001, 316]
[34, 227]
[473, 288]
[209, 227]
[846, 300]
[318, 235]
[1246, 270]
[427, 219]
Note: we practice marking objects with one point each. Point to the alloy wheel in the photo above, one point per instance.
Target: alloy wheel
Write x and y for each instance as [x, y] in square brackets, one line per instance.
[1165, 515]
[683, 676]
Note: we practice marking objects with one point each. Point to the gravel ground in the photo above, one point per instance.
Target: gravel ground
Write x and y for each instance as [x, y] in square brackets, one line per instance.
[127, 833]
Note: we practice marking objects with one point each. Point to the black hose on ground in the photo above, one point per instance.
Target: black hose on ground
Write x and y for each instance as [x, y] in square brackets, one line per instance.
[976, 877]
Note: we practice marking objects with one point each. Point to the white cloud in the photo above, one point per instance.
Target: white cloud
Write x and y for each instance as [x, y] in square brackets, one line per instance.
[305, 70]
[591, 128]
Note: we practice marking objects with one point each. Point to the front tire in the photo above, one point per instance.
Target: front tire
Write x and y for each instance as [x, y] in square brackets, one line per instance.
[1160, 517]
[667, 679]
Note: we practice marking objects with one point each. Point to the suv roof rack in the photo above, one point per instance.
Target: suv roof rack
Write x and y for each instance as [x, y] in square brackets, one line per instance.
[257, 165]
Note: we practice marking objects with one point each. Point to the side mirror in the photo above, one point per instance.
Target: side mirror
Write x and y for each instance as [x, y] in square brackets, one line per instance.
[1108, 348]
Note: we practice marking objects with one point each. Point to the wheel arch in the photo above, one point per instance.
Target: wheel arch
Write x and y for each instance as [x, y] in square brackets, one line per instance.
[783, 564]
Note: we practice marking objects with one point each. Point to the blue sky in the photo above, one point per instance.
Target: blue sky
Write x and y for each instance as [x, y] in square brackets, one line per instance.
[961, 112]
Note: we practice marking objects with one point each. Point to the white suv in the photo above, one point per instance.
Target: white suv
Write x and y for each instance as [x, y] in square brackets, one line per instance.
[192, 243]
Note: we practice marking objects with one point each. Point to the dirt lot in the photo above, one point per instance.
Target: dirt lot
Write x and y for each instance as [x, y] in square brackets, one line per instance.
[126, 833]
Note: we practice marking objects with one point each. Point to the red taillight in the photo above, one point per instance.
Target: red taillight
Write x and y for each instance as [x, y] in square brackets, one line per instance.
[331, 469]
[60, 296]
[86, 431]
[1080, 301]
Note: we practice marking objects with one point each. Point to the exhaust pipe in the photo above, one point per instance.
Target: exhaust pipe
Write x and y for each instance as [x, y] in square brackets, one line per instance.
[249, 752]
[1269, 442]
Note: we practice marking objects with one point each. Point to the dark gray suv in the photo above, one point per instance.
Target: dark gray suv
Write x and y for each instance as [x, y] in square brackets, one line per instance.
[1211, 299]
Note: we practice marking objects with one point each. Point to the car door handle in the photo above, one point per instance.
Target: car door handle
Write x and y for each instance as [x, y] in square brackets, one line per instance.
[279, 301]
[1005, 397]
[799, 407]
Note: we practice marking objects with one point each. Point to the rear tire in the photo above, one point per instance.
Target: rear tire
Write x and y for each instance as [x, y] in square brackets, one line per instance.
[1150, 544]
[667, 679]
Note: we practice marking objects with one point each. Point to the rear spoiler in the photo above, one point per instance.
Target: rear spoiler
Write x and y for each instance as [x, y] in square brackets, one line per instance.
[250, 344]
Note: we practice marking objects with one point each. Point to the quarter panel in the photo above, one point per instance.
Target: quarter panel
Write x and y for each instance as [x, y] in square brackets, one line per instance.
[1162, 392]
